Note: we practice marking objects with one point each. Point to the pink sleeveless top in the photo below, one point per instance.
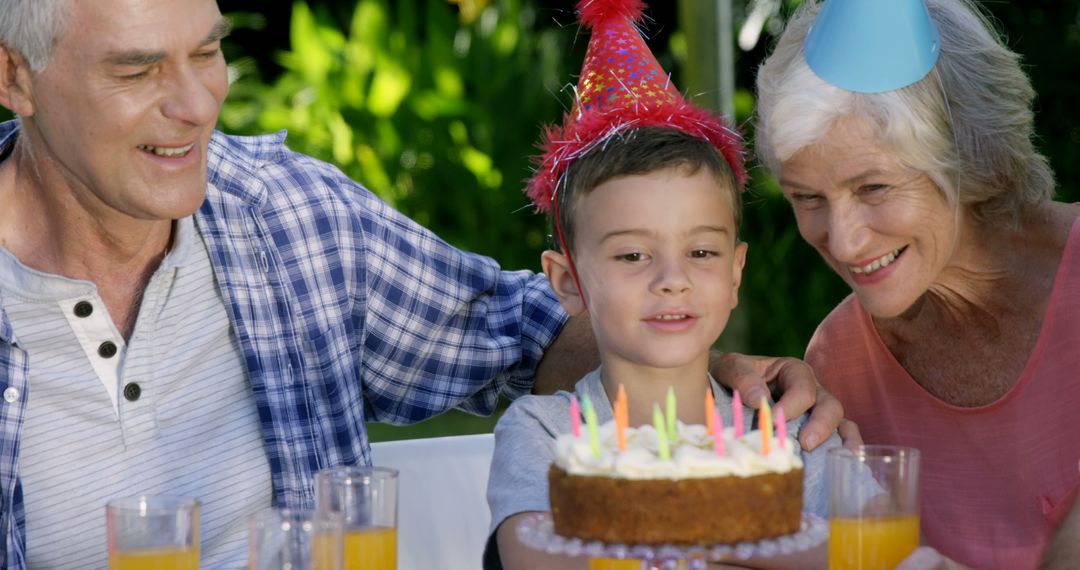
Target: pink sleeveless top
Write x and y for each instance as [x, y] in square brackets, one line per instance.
[996, 479]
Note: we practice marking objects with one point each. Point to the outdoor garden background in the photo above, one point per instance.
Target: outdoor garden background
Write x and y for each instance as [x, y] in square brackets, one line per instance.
[436, 105]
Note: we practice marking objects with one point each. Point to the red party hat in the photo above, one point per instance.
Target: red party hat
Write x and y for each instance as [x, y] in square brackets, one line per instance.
[622, 87]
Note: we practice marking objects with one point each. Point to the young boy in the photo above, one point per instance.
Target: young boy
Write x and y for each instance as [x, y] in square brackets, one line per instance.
[643, 191]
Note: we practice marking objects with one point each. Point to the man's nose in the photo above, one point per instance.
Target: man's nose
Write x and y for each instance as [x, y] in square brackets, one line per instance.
[191, 98]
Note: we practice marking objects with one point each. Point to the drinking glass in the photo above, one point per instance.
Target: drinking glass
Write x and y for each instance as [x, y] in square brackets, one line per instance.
[294, 539]
[614, 564]
[159, 532]
[873, 506]
[366, 498]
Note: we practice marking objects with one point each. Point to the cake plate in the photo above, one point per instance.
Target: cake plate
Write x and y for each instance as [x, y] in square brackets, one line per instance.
[537, 531]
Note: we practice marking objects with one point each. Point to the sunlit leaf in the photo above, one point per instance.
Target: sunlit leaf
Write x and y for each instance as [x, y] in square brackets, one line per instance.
[389, 86]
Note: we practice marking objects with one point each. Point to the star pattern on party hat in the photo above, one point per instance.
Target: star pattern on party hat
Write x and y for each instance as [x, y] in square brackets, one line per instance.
[622, 86]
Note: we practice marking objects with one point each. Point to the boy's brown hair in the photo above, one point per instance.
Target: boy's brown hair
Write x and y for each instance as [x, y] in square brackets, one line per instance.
[635, 152]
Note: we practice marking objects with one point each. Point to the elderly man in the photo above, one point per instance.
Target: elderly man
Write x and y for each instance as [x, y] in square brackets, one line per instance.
[189, 313]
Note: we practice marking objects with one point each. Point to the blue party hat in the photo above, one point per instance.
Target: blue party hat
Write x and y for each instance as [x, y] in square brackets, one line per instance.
[870, 46]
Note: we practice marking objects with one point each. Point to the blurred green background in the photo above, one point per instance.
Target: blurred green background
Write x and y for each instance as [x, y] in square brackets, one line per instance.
[436, 106]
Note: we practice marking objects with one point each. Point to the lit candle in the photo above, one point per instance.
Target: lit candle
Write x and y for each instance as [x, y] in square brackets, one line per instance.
[575, 416]
[766, 425]
[736, 414]
[591, 425]
[621, 418]
[671, 414]
[710, 407]
[781, 428]
[718, 437]
[625, 409]
[661, 438]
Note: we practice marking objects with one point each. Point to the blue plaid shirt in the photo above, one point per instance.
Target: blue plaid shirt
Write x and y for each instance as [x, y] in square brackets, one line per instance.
[345, 311]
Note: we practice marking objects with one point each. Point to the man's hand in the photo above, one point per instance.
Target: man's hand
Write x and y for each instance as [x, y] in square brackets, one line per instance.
[799, 392]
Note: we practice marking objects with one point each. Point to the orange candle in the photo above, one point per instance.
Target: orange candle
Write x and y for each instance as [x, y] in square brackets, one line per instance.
[710, 407]
[621, 417]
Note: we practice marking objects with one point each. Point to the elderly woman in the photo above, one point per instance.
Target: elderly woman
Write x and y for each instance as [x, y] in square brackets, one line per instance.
[960, 337]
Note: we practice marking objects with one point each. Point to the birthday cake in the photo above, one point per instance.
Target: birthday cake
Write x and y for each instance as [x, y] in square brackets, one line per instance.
[694, 491]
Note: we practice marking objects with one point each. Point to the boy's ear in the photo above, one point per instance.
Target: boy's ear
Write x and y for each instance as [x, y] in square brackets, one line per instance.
[557, 268]
[737, 263]
[15, 85]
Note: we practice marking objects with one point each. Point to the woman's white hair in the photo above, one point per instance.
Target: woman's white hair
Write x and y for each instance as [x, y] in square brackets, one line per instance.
[976, 146]
[32, 28]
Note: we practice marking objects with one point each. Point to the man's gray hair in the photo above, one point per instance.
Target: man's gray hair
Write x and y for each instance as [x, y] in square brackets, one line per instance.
[32, 28]
[976, 146]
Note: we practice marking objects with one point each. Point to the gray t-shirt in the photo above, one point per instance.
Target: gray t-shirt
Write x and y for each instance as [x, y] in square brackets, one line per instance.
[525, 446]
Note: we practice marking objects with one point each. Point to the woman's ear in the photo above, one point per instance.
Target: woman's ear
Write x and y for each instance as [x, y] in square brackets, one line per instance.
[15, 82]
[557, 268]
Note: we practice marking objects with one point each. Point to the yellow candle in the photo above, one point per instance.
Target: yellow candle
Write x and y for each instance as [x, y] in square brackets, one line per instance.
[672, 414]
[661, 438]
[591, 425]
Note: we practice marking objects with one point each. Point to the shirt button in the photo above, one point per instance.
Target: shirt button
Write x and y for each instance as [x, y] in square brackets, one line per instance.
[132, 392]
[83, 309]
[107, 349]
[11, 394]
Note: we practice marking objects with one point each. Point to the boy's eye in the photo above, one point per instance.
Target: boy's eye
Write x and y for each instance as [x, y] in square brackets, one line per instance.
[703, 253]
[801, 198]
[631, 257]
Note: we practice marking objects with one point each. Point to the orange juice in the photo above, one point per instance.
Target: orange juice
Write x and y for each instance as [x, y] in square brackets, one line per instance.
[613, 564]
[871, 543]
[156, 559]
[372, 548]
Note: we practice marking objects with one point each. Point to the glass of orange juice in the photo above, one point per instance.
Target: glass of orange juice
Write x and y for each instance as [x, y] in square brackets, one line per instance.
[873, 506]
[366, 498]
[153, 532]
[614, 564]
[295, 539]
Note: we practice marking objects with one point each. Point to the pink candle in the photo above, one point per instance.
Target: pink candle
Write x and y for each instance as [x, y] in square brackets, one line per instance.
[575, 416]
[736, 414]
[781, 427]
[718, 436]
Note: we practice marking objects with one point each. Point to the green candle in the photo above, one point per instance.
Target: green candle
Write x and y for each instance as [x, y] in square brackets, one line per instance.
[661, 436]
[591, 424]
[672, 434]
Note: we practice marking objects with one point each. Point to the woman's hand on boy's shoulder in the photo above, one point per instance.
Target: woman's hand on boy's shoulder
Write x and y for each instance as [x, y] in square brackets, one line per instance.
[799, 392]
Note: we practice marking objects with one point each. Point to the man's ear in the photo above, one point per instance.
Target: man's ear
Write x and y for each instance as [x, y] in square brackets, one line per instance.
[557, 268]
[737, 264]
[15, 85]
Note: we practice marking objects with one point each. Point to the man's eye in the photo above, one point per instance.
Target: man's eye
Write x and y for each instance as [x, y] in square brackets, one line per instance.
[134, 76]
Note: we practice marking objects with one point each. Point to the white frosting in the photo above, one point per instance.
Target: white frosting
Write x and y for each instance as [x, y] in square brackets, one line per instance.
[692, 454]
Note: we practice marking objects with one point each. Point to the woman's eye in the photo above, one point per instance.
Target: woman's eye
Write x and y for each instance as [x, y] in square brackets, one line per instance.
[872, 188]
